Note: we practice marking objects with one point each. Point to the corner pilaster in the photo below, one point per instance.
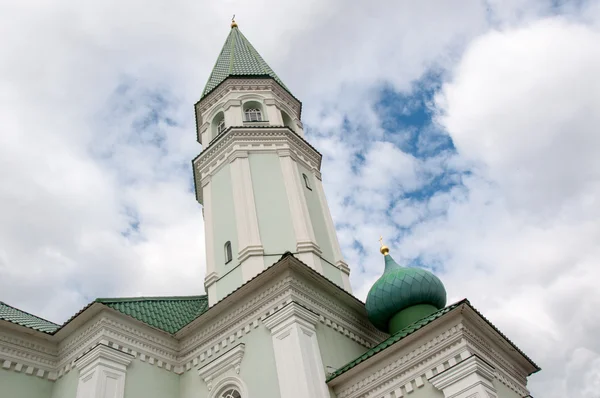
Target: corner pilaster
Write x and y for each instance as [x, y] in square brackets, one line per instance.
[102, 373]
[298, 358]
[337, 251]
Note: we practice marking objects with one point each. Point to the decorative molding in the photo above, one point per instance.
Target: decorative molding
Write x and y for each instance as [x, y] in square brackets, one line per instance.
[232, 85]
[211, 278]
[409, 369]
[232, 102]
[230, 360]
[470, 378]
[252, 140]
[102, 373]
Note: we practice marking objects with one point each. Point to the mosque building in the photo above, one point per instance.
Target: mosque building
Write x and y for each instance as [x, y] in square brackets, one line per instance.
[278, 318]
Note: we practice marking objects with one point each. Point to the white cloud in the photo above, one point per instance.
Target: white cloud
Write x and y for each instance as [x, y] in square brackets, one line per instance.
[523, 105]
[92, 206]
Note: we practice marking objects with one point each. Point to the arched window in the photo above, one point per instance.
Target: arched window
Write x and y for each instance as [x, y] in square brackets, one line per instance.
[306, 181]
[253, 115]
[231, 393]
[220, 126]
[228, 255]
[287, 121]
[217, 125]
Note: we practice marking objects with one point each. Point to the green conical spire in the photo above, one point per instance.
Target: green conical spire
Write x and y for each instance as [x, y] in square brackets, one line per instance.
[238, 59]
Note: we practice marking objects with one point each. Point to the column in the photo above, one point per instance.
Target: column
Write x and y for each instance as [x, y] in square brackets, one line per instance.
[102, 373]
[250, 245]
[468, 379]
[306, 243]
[337, 251]
[297, 356]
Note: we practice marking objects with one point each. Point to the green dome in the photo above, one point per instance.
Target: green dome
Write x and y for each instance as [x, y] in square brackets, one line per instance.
[406, 294]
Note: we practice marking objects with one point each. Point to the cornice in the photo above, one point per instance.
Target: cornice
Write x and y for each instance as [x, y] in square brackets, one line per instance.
[257, 139]
[407, 371]
[504, 370]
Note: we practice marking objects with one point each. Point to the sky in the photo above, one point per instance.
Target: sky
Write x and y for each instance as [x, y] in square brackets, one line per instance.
[464, 132]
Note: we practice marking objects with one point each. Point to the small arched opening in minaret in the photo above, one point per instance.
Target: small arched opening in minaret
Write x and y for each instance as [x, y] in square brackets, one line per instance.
[253, 112]
[228, 254]
[218, 125]
[287, 121]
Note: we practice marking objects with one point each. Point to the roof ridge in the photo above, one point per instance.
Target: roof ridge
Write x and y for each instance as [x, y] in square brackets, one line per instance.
[28, 313]
[150, 298]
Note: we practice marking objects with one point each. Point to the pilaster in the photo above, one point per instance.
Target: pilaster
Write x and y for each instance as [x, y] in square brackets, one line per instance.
[306, 244]
[102, 373]
[273, 112]
[211, 275]
[250, 245]
[298, 358]
[337, 251]
[233, 112]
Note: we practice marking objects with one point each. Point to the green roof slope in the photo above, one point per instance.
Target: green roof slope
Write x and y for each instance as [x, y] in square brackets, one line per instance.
[166, 313]
[14, 315]
[394, 339]
[238, 58]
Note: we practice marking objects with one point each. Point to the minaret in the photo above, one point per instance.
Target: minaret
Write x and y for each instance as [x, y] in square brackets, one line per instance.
[258, 179]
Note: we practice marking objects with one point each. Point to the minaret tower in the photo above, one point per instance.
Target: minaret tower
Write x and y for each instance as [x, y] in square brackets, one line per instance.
[258, 179]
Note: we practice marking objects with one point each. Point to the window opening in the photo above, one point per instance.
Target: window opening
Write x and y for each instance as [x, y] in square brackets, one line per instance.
[221, 126]
[253, 115]
[306, 181]
[231, 393]
[228, 255]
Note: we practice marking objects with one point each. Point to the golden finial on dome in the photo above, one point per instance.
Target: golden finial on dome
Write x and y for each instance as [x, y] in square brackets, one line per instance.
[233, 23]
[383, 249]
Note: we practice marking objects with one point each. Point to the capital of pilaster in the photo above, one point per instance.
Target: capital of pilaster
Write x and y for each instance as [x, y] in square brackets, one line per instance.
[232, 102]
[284, 152]
[270, 101]
[205, 181]
[465, 378]
[237, 154]
[290, 314]
[102, 354]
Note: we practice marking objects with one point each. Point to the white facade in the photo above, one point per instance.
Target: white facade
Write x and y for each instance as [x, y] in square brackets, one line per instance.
[277, 336]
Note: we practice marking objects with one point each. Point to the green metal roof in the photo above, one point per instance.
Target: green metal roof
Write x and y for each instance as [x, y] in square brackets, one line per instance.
[394, 339]
[14, 315]
[238, 58]
[166, 313]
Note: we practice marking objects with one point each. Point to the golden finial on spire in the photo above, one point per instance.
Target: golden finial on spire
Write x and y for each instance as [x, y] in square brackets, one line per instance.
[233, 23]
[383, 249]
